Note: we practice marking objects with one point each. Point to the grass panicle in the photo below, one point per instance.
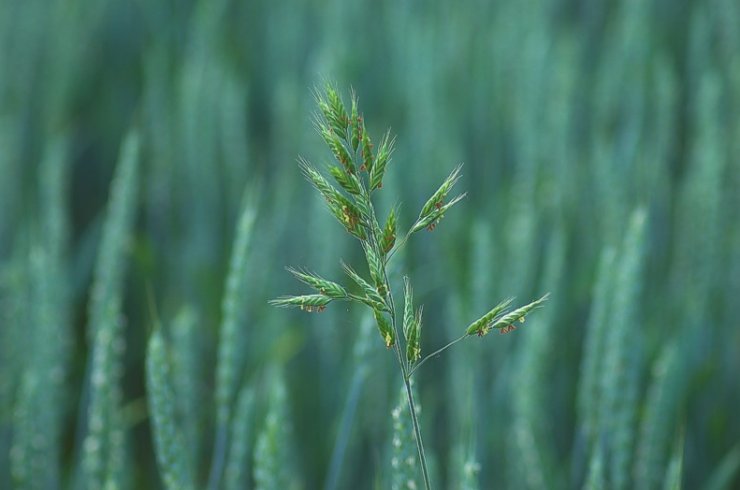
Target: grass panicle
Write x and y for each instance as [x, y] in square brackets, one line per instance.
[345, 135]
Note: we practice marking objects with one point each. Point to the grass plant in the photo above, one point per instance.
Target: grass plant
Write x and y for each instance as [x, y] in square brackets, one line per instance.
[359, 170]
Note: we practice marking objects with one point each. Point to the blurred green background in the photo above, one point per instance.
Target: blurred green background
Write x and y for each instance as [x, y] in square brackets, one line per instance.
[600, 142]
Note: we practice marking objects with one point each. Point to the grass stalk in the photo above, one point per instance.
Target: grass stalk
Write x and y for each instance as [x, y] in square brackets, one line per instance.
[346, 136]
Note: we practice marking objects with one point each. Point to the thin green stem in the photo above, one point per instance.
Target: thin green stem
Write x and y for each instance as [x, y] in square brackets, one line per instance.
[437, 352]
[417, 433]
[401, 358]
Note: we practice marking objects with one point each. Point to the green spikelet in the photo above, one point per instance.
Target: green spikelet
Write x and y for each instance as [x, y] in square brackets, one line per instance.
[271, 465]
[237, 463]
[357, 126]
[347, 181]
[404, 458]
[621, 368]
[333, 111]
[498, 319]
[306, 302]
[411, 325]
[323, 286]
[375, 265]
[169, 441]
[389, 233]
[103, 446]
[371, 296]
[440, 195]
[344, 210]
[483, 325]
[408, 308]
[385, 328]
[377, 165]
[519, 314]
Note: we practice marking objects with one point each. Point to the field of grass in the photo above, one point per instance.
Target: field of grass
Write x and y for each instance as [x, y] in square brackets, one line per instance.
[151, 199]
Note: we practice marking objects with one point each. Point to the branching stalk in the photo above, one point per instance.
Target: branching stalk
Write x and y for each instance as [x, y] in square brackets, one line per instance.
[436, 353]
[360, 173]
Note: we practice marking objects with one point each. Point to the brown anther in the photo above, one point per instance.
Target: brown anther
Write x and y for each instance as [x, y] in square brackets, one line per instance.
[320, 309]
[432, 226]
[438, 205]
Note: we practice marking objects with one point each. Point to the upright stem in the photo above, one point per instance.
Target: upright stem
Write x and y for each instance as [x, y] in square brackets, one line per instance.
[405, 372]
[405, 369]
[417, 432]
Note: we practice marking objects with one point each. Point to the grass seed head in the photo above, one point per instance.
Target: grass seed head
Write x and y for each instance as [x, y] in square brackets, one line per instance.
[483, 325]
[307, 302]
[389, 233]
[385, 328]
[323, 286]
